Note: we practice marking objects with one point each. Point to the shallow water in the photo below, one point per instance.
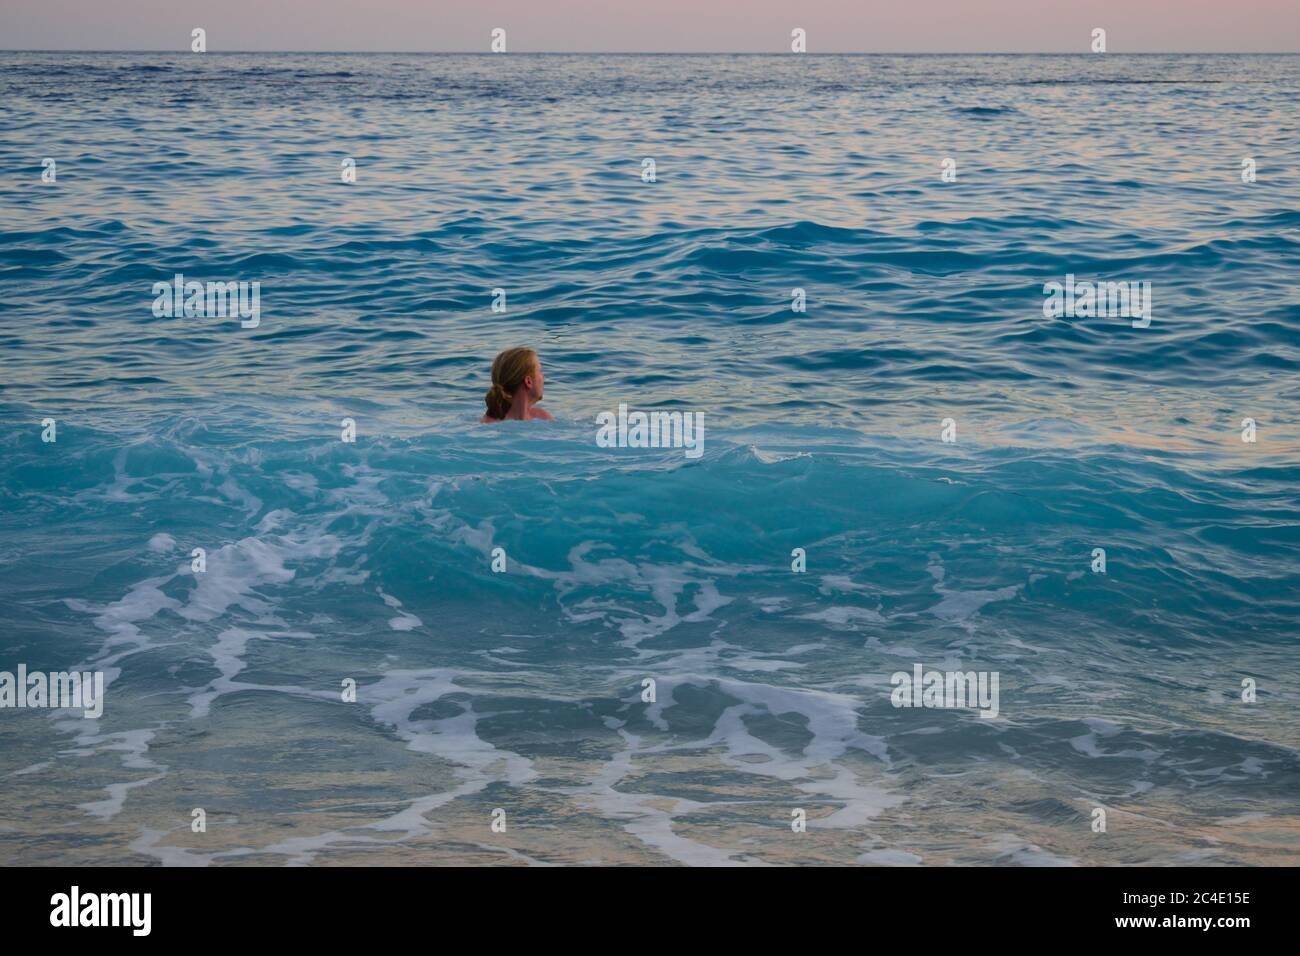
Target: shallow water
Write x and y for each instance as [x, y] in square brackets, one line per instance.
[522, 690]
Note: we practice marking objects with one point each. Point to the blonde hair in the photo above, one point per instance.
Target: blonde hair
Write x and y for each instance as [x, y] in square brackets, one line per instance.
[509, 370]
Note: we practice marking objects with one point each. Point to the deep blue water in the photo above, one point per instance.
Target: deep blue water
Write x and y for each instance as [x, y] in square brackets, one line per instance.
[521, 690]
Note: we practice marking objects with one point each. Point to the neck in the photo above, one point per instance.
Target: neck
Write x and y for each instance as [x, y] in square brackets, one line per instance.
[520, 406]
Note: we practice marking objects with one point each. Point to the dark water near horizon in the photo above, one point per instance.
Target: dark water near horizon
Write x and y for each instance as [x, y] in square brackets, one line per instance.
[370, 561]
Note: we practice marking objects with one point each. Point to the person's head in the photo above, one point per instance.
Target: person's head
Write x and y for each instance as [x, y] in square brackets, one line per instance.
[513, 369]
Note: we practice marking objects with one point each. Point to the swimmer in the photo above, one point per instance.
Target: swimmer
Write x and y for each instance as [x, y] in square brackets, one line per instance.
[516, 387]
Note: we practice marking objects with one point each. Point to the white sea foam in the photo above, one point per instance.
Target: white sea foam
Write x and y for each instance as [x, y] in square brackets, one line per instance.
[162, 543]
[404, 621]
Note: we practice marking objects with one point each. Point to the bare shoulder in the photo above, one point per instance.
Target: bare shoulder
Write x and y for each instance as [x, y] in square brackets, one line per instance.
[542, 414]
[487, 420]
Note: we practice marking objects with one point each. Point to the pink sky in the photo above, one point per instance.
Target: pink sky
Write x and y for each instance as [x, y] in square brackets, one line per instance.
[833, 26]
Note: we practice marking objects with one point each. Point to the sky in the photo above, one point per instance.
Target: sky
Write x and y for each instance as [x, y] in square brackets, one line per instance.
[670, 26]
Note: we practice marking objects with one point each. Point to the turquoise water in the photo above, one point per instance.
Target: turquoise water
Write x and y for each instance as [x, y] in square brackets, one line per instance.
[370, 561]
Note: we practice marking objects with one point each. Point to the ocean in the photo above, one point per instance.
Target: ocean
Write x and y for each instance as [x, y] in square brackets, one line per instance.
[445, 642]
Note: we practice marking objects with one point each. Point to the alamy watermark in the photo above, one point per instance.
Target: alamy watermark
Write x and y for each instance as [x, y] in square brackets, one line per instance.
[651, 430]
[1084, 299]
[969, 689]
[75, 908]
[59, 690]
[209, 300]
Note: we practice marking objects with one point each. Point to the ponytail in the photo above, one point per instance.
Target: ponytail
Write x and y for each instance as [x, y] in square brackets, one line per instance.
[498, 401]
